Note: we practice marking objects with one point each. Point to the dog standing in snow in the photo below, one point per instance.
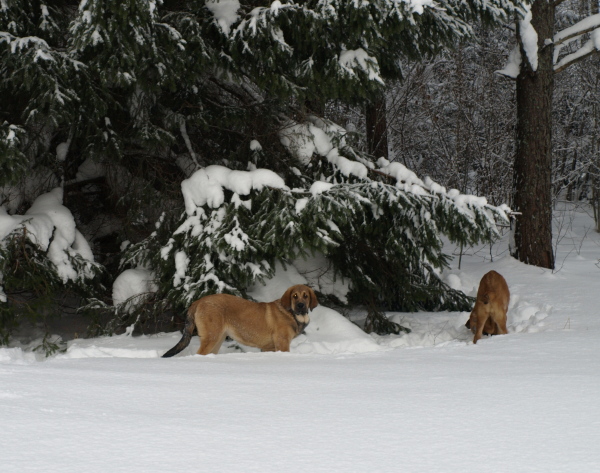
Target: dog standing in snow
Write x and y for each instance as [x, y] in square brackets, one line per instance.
[489, 314]
[270, 326]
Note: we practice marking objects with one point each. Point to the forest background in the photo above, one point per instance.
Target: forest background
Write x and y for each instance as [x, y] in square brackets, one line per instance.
[117, 103]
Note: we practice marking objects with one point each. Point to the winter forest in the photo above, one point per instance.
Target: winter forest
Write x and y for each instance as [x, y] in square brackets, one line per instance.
[153, 152]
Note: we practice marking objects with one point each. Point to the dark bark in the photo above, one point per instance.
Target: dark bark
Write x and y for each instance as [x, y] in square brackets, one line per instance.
[533, 160]
[377, 141]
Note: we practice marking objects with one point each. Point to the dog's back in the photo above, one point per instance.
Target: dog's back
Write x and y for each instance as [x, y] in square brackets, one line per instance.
[491, 306]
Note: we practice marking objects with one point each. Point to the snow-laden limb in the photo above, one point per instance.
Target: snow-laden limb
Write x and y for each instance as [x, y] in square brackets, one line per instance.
[42, 255]
[303, 140]
[528, 42]
[359, 60]
[208, 185]
[582, 27]
[590, 47]
[50, 226]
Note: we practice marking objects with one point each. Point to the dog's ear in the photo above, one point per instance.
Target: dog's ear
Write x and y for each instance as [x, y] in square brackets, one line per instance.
[286, 299]
[314, 302]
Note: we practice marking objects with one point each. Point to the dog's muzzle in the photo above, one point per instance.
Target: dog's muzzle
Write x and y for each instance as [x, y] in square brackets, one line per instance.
[301, 308]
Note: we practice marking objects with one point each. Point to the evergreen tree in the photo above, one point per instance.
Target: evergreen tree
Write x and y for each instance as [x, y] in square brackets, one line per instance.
[154, 90]
[379, 225]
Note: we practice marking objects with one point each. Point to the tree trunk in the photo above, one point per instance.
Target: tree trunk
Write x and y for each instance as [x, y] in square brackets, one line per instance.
[533, 160]
[377, 141]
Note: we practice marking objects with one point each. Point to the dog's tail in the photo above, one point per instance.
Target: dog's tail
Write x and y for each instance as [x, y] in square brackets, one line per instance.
[188, 331]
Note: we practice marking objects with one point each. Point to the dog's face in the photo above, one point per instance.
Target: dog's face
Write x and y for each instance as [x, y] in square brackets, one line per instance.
[299, 299]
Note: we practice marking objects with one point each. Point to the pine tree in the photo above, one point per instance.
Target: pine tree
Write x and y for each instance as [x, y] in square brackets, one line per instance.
[378, 224]
[154, 90]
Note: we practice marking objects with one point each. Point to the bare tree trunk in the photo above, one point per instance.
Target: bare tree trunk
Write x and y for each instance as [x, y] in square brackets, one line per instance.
[377, 135]
[533, 160]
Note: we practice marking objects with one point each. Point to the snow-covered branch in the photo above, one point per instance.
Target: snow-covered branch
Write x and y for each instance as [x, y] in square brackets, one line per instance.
[590, 47]
[582, 27]
[591, 25]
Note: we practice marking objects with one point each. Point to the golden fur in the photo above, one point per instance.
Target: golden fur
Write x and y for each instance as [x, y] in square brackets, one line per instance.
[270, 326]
[489, 314]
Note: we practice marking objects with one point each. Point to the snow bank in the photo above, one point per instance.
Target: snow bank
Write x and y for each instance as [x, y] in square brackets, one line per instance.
[120, 346]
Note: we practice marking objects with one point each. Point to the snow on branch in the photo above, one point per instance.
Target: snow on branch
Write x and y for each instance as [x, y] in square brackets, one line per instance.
[591, 25]
[529, 43]
[580, 28]
[561, 39]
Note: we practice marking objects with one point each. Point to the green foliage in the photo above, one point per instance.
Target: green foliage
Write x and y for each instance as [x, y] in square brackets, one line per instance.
[31, 286]
[12, 159]
[143, 86]
[380, 233]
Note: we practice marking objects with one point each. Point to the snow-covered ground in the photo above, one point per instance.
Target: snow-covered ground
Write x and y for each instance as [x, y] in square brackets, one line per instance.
[341, 401]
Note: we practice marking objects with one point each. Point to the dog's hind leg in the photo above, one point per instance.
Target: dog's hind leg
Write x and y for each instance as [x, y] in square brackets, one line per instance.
[211, 343]
[501, 323]
[480, 325]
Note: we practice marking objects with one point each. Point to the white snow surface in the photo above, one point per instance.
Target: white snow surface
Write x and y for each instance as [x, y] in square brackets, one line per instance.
[341, 400]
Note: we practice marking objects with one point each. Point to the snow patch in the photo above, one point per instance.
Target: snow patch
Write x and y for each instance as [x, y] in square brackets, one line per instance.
[225, 12]
[529, 38]
[206, 186]
[133, 284]
[350, 59]
[513, 66]
[302, 140]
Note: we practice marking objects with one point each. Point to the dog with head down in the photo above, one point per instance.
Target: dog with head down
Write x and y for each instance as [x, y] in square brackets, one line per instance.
[270, 326]
[489, 314]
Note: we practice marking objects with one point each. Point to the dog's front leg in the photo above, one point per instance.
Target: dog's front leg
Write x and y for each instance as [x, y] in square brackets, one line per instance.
[281, 342]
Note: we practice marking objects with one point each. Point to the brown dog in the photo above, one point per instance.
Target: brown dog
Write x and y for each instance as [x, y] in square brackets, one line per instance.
[489, 314]
[270, 326]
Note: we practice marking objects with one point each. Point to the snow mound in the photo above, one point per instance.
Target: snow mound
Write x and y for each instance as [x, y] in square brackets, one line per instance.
[523, 316]
[16, 356]
[329, 332]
